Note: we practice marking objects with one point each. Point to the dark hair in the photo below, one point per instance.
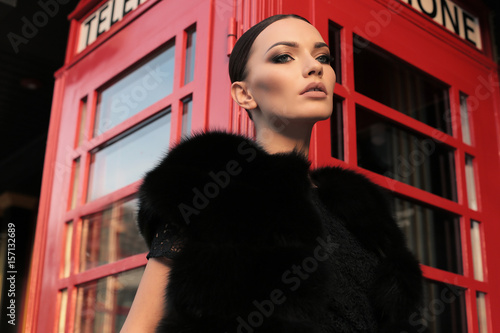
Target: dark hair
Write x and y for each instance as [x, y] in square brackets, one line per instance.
[241, 51]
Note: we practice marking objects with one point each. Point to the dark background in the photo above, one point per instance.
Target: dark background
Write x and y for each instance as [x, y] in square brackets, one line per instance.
[26, 87]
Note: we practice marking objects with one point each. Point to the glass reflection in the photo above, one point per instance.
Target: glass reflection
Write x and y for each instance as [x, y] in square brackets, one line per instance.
[392, 82]
[63, 294]
[443, 309]
[103, 305]
[433, 235]
[126, 159]
[334, 42]
[74, 187]
[138, 89]
[190, 55]
[392, 151]
[83, 117]
[187, 114]
[110, 235]
[482, 319]
[464, 117]
[337, 130]
[67, 249]
[477, 253]
[470, 180]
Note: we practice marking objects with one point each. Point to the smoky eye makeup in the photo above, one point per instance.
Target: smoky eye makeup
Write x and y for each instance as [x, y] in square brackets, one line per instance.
[325, 59]
[281, 55]
[281, 58]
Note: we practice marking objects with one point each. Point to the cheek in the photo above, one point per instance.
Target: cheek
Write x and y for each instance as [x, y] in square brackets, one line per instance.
[270, 83]
[271, 90]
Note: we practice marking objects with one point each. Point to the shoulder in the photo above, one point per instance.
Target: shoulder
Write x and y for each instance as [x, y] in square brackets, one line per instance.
[208, 157]
[207, 149]
[208, 172]
[340, 185]
[190, 163]
[362, 204]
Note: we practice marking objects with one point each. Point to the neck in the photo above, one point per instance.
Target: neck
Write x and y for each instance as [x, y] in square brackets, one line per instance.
[285, 139]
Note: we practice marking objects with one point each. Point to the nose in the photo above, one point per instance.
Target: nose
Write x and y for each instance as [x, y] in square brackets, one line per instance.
[312, 67]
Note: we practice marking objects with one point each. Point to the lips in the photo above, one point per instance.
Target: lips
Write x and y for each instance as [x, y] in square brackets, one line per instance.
[314, 86]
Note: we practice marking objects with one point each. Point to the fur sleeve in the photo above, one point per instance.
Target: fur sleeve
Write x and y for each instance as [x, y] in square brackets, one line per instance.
[188, 180]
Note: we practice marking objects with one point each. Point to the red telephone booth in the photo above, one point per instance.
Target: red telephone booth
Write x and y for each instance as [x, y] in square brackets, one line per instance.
[417, 109]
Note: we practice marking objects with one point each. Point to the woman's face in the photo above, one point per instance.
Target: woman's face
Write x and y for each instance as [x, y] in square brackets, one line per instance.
[289, 74]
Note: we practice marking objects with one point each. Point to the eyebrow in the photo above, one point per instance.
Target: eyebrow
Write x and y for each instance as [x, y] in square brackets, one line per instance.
[294, 44]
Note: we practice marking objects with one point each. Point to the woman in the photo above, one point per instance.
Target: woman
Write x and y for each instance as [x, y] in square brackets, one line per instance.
[247, 239]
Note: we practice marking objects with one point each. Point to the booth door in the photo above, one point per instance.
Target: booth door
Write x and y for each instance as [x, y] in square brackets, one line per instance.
[124, 103]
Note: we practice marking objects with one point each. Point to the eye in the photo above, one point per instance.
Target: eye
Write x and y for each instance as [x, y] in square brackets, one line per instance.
[325, 59]
[282, 58]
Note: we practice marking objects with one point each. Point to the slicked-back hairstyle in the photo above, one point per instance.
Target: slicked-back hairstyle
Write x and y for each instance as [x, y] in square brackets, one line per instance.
[241, 51]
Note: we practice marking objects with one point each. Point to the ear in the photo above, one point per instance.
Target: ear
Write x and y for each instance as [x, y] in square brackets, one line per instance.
[242, 96]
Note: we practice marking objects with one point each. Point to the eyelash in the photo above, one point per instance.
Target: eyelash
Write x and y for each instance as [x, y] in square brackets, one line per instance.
[328, 59]
[281, 59]
[284, 58]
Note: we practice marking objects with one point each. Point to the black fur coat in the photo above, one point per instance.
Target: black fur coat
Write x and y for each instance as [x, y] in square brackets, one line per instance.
[262, 251]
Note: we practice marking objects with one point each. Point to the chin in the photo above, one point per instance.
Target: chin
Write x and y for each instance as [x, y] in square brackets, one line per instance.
[310, 120]
[308, 113]
[325, 115]
[317, 114]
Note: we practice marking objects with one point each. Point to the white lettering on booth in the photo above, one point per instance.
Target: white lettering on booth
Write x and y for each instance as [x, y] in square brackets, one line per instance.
[452, 17]
[103, 18]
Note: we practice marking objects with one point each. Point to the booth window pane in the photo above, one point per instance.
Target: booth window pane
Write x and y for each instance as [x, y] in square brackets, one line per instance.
[433, 235]
[481, 312]
[190, 55]
[67, 249]
[125, 160]
[471, 182]
[392, 82]
[83, 118]
[74, 188]
[444, 308]
[464, 116]
[337, 130]
[334, 42]
[187, 113]
[110, 235]
[395, 152]
[477, 253]
[139, 88]
[61, 327]
[103, 305]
